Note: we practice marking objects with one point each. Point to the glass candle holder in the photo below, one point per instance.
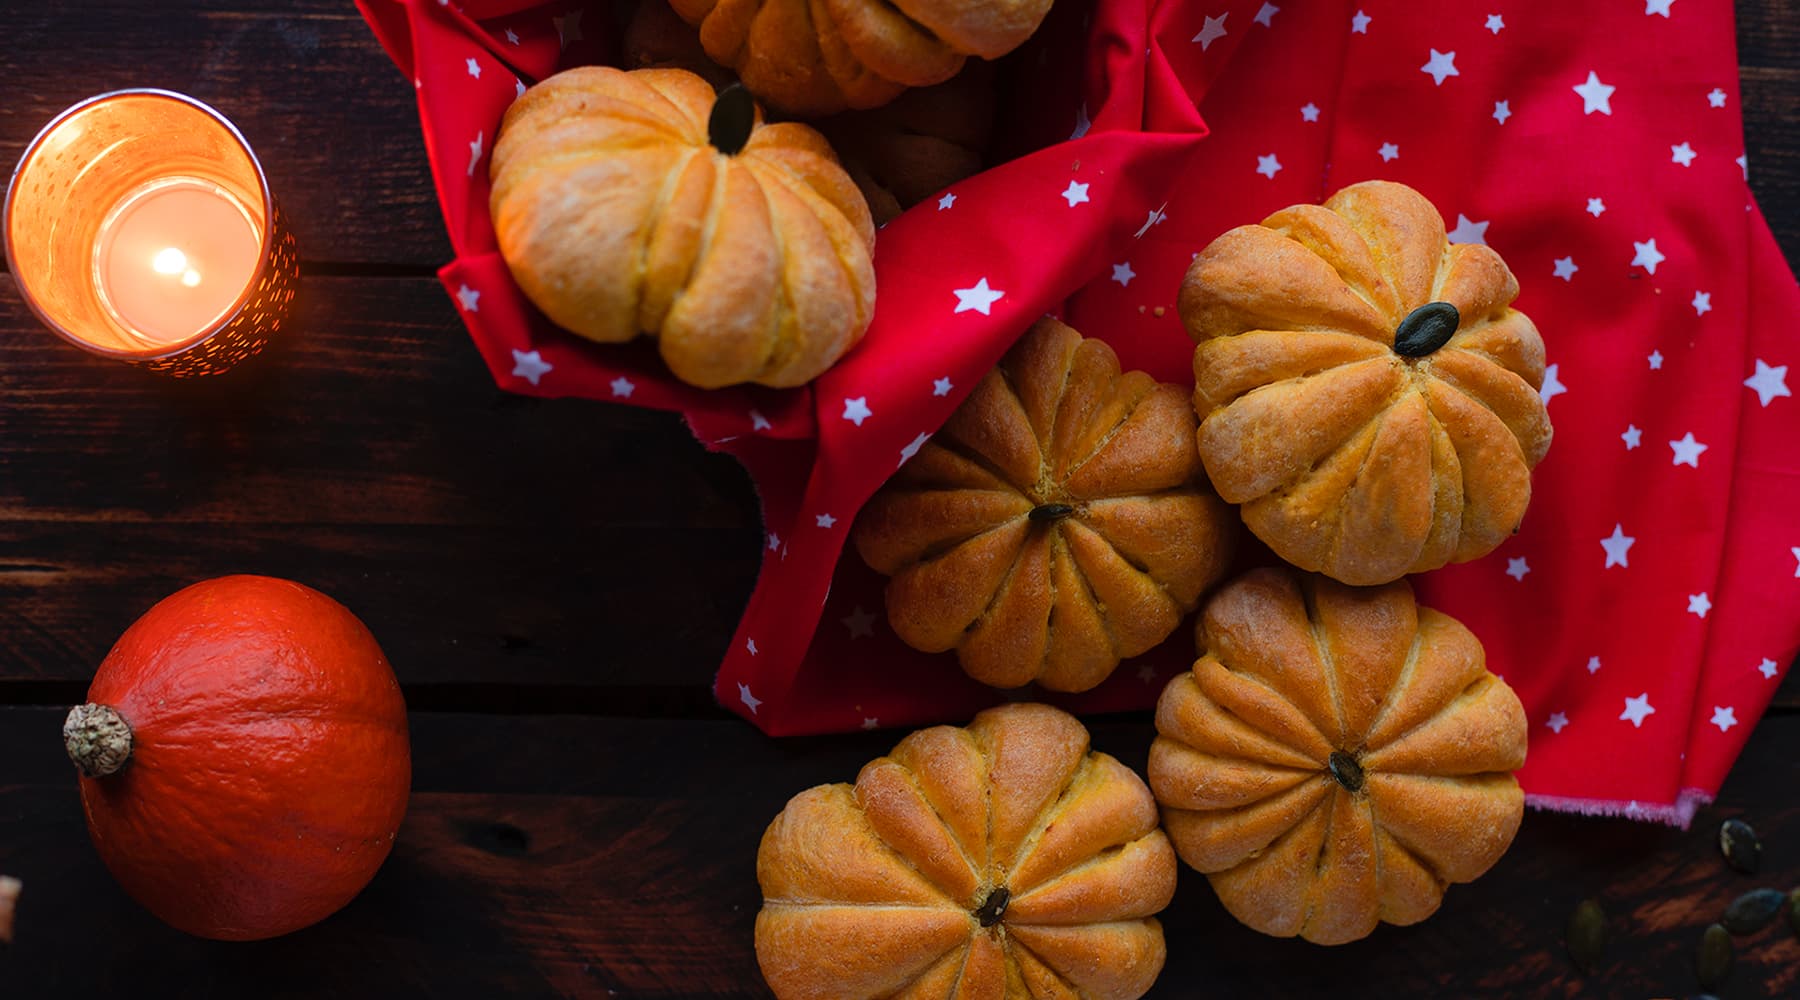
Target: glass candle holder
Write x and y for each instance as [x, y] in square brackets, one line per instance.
[139, 226]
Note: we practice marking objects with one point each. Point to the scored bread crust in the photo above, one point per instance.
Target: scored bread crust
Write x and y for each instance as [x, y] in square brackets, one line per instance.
[1056, 524]
[874, 889]
[1294, 668]
[617, 217]
[1347, 458]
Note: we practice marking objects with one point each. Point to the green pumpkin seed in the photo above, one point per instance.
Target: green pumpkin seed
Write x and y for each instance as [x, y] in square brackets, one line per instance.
[1586, 936]
[1754, 910]
[1742, 850]
[1713, 961]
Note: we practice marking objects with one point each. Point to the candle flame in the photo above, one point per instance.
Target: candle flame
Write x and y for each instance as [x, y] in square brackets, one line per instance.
[169, 261]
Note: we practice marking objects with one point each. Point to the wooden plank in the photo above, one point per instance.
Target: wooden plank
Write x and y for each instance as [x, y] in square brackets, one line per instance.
[568, 856]
[332, 120]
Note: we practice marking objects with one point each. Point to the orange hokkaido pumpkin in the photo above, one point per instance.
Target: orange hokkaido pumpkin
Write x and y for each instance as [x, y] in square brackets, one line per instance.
[244, 758]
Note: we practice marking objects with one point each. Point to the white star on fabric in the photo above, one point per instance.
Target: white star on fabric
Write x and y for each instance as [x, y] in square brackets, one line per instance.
[1682, 154]
[758, 422]
[1796, 552]
[1495, 23]
[913, 447]
[857, 410]
[1769, 668]
[1743, 163]
[749, 644]
[1595, 207]
[1266, 16]
[1552, 385]
[623, 387]
[530, 366]
[1647, 255]
[1618, 546]
[1687, 451]
[1081, 123]
[860, 623]
[1268, 166]
[1632, 436]
[747, 698]
[1211, 31]
[946, 201]
[978, 297]
[870, 722]
[1309, 112]
[1716, 98]
[1467, 231]
[512, 36]
[1075, 194]
[1516, 568]
[1769, 382]
[1657, 7]
[1593, 664]
[1557, 721]
[568, 27]
[774, 545]
[824, 520]
[941, 387]
[1636, 709]
[1702, 303]
[1440, 65]
[1122, 273]
[1656, 360]
[1724, 717]
[1502, 111]
[518, 89]
[1359, 23]
[1595, 96]
[1699, 604]
[474, 68]
[1565, 268]
[469, 299]
[1389, 152]
[475, 153]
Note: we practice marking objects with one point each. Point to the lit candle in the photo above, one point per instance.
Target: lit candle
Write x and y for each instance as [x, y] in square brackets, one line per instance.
[139, 226]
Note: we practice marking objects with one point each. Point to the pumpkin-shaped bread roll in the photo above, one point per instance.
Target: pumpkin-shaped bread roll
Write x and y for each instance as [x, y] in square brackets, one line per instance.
[816, 57]
[1056, 524]
[1337, 757]
[1365, 389]
[1005, 861]
[625, 203]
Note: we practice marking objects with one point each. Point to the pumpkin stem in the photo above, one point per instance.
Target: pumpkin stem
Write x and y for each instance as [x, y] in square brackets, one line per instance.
[9, 895]
[993, 908]
[98, 739]
[732, 120]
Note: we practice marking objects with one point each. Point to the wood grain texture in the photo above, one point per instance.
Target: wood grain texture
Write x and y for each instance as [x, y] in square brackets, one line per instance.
[332, 120]
[572, 857]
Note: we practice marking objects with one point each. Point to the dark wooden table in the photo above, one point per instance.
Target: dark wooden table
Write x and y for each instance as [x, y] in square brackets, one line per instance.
[554, 583]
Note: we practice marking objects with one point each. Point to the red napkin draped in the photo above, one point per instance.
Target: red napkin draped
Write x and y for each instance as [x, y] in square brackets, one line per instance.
[1651, 601]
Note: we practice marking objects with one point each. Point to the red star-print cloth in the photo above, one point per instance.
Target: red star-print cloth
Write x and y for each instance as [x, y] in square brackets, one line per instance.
[1646, 610]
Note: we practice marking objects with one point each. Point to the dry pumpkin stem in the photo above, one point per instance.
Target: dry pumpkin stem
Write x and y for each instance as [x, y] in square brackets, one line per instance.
[97, 738]
[9, 898]
[733, 118]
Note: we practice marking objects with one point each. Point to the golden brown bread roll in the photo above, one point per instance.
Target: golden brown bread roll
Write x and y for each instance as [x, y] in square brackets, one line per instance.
[1365, 388]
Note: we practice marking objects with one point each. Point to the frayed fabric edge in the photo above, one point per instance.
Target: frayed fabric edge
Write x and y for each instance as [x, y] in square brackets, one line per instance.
[1679, 813]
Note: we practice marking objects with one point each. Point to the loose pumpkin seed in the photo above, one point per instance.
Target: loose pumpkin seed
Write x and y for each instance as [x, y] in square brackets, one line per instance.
[1739, 844]
[1754, 910]
[1794, 910]
[1586, 936]
[1713, 961]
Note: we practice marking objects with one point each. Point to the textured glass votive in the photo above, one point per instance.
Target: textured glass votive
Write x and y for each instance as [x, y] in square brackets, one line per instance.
[139, 226]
